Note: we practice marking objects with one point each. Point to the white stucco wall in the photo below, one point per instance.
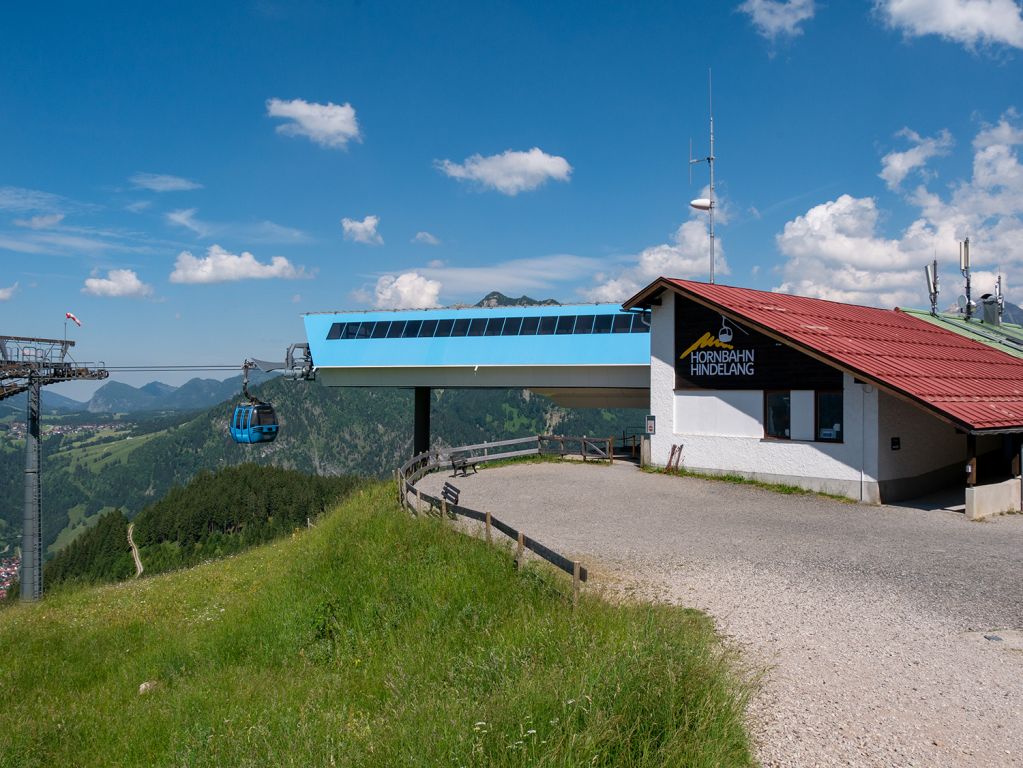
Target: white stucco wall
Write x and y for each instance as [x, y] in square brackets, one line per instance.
[926, 442]
[722, 432]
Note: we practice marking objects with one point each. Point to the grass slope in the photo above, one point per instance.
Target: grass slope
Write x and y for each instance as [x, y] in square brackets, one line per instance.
[373, 639]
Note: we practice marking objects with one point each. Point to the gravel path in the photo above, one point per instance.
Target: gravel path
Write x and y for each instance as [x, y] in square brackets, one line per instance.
[870, 621]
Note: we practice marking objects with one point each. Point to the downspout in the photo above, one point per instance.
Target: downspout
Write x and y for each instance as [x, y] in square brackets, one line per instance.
[863, 435]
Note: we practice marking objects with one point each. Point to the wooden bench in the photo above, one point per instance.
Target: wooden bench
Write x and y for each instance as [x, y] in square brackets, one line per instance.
[460, 462]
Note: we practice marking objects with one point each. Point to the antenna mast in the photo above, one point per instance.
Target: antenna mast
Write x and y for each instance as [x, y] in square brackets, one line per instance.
[964, 267]
[931, 270]
[707, 203]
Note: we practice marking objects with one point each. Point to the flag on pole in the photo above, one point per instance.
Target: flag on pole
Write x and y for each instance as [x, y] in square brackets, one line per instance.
[70, 316]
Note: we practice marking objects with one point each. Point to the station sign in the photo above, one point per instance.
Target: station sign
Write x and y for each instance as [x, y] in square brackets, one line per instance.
[713, 352]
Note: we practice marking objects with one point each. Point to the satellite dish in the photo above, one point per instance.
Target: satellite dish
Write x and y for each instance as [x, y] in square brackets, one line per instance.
[961, 301]
[701, 204]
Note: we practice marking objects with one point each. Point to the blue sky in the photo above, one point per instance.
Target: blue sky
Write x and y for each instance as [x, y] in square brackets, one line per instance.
[189, 181]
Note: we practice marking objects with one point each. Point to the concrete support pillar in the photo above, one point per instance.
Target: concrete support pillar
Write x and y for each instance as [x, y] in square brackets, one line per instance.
[971, 460]
[421, 436]
[31, 531]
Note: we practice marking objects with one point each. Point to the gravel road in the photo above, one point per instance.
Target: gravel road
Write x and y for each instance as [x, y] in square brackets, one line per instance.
[870, 621]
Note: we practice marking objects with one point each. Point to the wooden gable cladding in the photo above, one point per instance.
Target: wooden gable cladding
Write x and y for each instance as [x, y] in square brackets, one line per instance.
[714, 352]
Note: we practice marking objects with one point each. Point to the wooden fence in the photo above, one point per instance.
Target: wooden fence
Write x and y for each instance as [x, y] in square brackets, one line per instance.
[416, 501]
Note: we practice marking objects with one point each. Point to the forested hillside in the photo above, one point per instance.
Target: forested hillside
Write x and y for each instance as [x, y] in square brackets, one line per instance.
[326, 431]
[216, 514]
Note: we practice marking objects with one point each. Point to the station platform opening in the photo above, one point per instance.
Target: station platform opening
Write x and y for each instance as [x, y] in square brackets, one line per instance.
[580, 355]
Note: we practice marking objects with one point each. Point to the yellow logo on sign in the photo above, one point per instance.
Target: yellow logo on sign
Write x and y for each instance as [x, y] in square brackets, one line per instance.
[707, 341]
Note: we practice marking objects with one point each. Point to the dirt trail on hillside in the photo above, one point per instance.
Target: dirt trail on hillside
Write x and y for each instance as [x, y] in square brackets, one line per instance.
[134, 551]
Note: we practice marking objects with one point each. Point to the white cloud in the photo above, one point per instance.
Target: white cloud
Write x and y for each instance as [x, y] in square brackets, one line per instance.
[257, 232]
[364, 231]
[509, 172]
[162, 182]
[425, 238]
[138, 205]
[687, 255]
[534, 275]
[6, 294]
[969, 22]
[778, 18]
[118, 282]
[41, 221]
[329, 125]
[20, 199]
[186, 218]
[895, 166]
[836, 250]
[409, 290]
[219, 266]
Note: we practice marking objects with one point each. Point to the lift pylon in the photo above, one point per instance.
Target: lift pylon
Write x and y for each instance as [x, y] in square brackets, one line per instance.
[28, 364]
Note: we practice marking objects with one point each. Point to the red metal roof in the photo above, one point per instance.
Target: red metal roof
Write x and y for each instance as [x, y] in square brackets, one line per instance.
[969, 383]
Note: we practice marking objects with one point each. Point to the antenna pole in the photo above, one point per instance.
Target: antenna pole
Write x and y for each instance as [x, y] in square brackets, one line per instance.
[710, 162]
[964, 267]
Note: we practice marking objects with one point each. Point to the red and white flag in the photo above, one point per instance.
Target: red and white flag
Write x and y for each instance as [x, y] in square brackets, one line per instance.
[70, 316]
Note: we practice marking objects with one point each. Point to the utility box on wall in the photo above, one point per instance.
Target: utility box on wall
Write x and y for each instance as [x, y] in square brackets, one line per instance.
[651, 425]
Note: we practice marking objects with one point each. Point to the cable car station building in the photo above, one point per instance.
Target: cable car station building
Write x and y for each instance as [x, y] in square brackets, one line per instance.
[873, 404]
[876, 405]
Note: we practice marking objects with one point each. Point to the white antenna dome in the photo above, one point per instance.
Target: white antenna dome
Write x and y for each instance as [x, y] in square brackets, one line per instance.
[701, 204]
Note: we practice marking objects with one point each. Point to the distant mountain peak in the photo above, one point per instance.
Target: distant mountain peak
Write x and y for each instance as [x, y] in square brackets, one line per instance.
[498, 299]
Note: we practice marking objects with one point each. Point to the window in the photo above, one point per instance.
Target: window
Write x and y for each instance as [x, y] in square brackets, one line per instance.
[412, 329]
[511, 326]
[529, 326]
[444, 328]
[547, 325]
[603, 324]
[365, 330]
[335, 331]
[777, 414]
[829, 416]
[494, 326]
[351, 331]
[380, 329]
[622, 324]
[461, 327]
[584, 324]
[565, 324]
[394, 332]
[638, 324]
[429, 326]
[477, 326]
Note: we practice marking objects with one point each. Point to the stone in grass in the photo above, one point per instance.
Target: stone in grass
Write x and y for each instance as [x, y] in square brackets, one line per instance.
[147, 686]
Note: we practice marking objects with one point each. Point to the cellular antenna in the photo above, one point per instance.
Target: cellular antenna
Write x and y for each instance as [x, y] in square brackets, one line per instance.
[931, 270]
[964, 266]
[706, 203]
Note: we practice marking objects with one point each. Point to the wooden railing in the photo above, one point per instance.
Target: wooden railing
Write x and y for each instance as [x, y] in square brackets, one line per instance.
[417, 502]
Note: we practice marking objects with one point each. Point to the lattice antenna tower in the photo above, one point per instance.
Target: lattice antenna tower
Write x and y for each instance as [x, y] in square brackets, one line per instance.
[27, 365]
[706, 203]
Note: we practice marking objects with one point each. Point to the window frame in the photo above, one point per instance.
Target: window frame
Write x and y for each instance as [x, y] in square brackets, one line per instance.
[817, 416]
[767, 394]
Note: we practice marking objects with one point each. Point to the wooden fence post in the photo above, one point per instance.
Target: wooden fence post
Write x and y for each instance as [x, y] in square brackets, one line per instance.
[575, 584]
[610, 451]
[582, 446]
[444, 506]
[419, 501]
[518, 550]
[489, 538]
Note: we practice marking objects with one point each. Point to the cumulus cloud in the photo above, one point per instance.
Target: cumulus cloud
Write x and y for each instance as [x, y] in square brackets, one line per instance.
[425, 238]
[162, 182]
[836, 250]
[364, 231]
[778, 18]
[6, 294]
[220, 266]
[969, 22]
[329, 125]
[41, 221]
[509, 172]
[186, 218]
[686, 255]
[895, 166]
[118, 282]
[409, 290]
